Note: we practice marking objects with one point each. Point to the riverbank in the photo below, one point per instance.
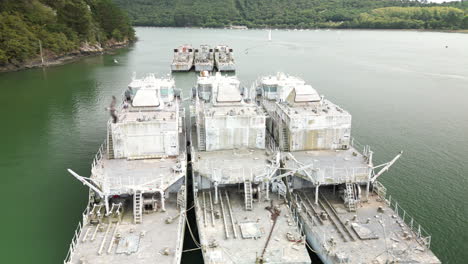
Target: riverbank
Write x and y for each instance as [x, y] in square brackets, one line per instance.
[465, 31]
[50, 59]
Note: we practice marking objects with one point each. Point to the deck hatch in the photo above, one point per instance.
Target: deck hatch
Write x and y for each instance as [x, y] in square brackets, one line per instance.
[364, 231]
[250, 230]
[128, 244]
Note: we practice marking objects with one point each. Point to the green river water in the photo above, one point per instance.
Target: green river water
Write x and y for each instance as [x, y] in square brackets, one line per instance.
[406, 91]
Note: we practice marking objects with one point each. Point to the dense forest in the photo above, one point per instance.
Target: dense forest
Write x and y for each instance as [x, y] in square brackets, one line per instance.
[298, 13]
[59, 27]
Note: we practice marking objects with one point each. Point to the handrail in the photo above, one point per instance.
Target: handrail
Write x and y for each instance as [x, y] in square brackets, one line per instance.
[335, 174]
[366, 150]
[420, 233]
[69, 257]
[244, 173]
[99, 155]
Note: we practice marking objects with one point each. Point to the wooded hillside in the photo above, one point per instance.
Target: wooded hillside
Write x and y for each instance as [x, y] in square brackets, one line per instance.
[59, 26]
[297, 13]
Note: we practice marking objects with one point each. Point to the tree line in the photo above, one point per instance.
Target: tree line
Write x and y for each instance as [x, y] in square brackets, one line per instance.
[58, 26]
[298, 13]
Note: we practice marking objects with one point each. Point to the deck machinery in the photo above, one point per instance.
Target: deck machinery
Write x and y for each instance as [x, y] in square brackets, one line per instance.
[333, 186]
[204, 58]
[183, 59]
[241, 212]
[137, 197]
[224, 59]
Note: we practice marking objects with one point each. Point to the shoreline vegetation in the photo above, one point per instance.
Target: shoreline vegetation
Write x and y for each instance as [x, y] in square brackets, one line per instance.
[322, 29]
[300, 14]
[35, 33]
[51, 60]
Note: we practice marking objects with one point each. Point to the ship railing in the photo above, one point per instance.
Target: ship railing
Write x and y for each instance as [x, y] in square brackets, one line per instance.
[127, 184]
[336, 175]
[296, 205]
[271, 143]
[366, 150]
[76, 237]
[341, 175]
[422, 236]
[99, 154]
[234, 173]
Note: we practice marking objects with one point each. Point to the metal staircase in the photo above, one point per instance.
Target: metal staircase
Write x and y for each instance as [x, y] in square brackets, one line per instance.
[110, 144]
[248, 195]
[284, 138]
[350, 197]
[137, 207]
[181, 197]
[202, 137]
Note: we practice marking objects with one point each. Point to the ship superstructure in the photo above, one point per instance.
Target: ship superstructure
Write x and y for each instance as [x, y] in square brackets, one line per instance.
[241, 212]
[204, 58]
[183, 58]
[224, 59]
[343, 209]
[137, 198]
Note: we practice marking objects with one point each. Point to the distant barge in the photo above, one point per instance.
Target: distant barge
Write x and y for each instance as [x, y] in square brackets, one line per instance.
[204, 58]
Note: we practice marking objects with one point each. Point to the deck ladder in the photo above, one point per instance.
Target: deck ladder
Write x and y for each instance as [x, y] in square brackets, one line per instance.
[137, 206]
[284, 138]
[110, 143]
[248, 195]
[350, 197]
[202, 136]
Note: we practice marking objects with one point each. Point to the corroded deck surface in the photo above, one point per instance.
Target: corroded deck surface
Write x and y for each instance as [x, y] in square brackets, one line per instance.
[149, 239]
[256, 223]
[331, 166]
[232, 166]
[118, 176]
[374, 236]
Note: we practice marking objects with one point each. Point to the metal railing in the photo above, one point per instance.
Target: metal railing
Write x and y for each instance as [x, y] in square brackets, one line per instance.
[366, 150]
[100, 153]
[271, 143]
[76, 237]
[128, 184]
[422, 236]
[334, 175]
[237, 174]
[341, 175]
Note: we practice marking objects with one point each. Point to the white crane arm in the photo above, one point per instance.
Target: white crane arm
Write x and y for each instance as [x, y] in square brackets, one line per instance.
[86, 181]
[386, 166]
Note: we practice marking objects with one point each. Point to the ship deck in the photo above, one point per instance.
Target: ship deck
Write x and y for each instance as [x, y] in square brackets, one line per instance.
[331, 166]
[127, 242]
[216, 227]
[232, 166]
[118, 176]
[368, 235]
